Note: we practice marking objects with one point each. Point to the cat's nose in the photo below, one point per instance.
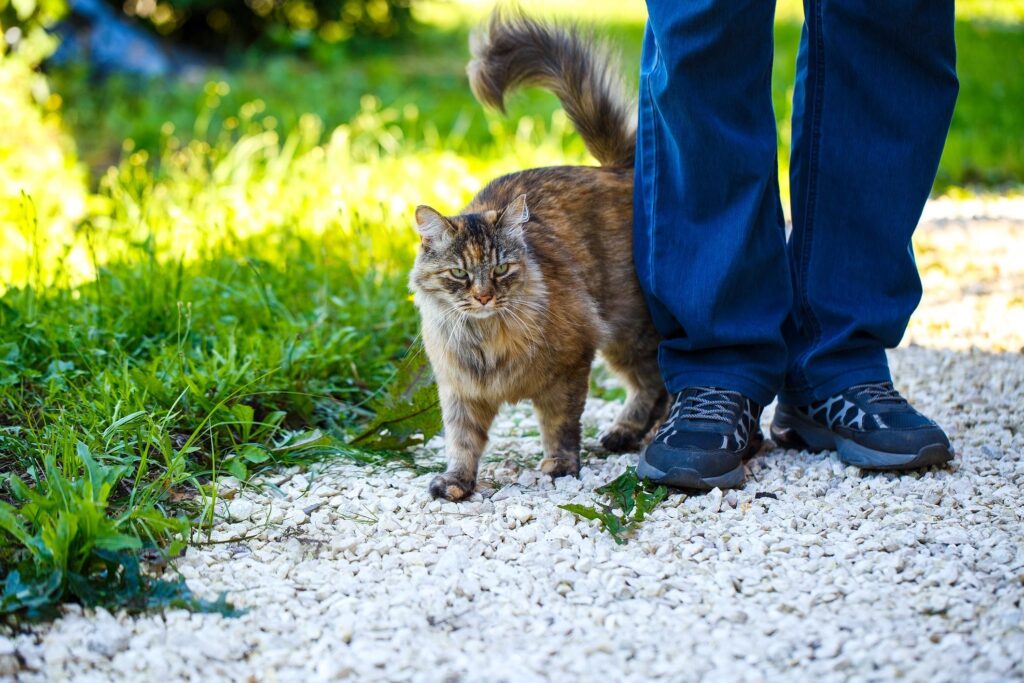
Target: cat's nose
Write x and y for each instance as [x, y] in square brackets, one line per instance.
[484, 298]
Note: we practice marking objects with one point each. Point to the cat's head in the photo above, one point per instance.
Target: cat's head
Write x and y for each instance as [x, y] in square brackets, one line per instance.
[476, 264]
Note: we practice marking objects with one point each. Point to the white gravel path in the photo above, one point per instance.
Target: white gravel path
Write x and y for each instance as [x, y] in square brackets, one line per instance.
[841, 576]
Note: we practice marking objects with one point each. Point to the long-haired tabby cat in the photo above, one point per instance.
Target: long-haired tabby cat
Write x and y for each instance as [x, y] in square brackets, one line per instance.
[520, 290]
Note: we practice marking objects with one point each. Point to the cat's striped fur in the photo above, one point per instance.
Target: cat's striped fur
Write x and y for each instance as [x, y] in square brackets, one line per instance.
[520, 290]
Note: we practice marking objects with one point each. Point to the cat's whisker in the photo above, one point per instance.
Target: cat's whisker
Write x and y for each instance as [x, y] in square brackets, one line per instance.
[544, 311]
[557, 316]
[455, 333]
[527, 329]
[451, 321]
[528, 326]
[449, 315]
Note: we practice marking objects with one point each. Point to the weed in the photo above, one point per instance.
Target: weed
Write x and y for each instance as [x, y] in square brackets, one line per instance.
[75, 547]
[630, 500]
[407, 411]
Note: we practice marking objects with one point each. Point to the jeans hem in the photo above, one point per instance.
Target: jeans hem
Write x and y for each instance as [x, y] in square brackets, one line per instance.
[752, 389]
[832, 386]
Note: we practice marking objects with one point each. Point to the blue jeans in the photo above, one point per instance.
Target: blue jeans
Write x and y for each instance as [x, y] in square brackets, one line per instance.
[740, 307]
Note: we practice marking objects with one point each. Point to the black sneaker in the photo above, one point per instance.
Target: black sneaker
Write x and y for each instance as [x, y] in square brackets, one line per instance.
[705, 439]
[870, 425]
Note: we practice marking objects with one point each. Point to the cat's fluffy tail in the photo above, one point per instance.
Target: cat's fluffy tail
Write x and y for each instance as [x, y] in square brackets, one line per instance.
[513, 50]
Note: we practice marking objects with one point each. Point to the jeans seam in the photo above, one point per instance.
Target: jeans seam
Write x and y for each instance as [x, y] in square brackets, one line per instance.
[816, 63]
[652, 217]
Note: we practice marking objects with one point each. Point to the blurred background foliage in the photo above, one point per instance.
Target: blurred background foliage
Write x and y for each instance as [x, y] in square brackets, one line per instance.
[217, 26]
[202, 275]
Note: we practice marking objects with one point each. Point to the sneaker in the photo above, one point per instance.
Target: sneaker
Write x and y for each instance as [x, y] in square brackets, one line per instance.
[870, 425]
[703, 443]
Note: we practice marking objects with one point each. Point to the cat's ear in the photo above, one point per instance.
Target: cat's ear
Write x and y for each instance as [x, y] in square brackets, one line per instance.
[515, 216]
[431, 225]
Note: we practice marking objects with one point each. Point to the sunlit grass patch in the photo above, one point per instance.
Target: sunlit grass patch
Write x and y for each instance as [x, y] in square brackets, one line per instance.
[226, 293]
[42, 187]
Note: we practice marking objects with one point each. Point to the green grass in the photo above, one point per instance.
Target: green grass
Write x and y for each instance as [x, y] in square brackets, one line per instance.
[175, 371]
[207, 279]
[985, 145]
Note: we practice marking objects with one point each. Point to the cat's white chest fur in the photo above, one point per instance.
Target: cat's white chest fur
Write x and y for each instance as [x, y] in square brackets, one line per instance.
[487, 361]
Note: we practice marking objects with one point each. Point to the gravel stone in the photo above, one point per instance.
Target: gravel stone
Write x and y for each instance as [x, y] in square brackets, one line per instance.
[814, 571]
[240, 509]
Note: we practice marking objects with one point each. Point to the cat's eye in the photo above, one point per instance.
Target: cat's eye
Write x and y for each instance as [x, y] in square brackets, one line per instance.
[500, 269]
[459, 273]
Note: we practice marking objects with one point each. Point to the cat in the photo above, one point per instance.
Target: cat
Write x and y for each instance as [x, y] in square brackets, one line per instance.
[519, 291]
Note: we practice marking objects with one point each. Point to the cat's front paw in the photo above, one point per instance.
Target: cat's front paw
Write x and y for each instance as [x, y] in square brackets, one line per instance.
[451, 486]
[620, 440]
[560, 467]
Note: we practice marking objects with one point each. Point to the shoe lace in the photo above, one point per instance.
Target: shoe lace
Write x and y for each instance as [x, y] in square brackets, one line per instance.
[883, 393]
[706, 403]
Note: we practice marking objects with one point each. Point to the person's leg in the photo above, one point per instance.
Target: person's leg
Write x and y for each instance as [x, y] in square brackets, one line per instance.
[709, 239]
[876, 83]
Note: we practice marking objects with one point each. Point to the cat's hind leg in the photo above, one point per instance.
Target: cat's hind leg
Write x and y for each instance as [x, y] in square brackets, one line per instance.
[466, 423]
[646, 397]
[559, 409]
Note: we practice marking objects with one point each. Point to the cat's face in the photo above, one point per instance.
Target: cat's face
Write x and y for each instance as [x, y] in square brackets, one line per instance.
[475, 264]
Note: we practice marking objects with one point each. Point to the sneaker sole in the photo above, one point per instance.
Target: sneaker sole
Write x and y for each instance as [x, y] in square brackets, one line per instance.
[804, 434]
[686, 478]
[683, 478]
